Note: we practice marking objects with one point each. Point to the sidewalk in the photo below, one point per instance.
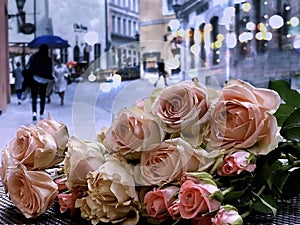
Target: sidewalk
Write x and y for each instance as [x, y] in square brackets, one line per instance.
[86, 111]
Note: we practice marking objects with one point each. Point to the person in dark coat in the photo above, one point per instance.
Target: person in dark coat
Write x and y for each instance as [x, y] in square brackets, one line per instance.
[41, 71]
[161, 73]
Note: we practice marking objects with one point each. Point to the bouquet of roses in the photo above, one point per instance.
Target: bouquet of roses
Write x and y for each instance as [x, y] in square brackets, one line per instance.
[25, 160]
[188, 153]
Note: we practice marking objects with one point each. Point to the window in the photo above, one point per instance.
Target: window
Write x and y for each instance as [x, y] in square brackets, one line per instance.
[124, 27]
[129, 28]
[119, 25]
[113, 21]
[167, 7]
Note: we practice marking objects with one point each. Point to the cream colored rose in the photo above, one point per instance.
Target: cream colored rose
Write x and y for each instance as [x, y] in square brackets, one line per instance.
[111, 194]
[6, 162]
[131, 132]
[34, 148]
[243, 119]
[58, 131]
[168, 161]
[32, 192]
[184, 109]
[81, 158]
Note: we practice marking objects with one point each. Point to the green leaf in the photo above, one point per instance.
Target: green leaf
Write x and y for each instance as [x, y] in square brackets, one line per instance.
[283, 112]
[279, 180]
[265, 204]
[290, 129]
[234, 195]
[289, 96]
[292, 185]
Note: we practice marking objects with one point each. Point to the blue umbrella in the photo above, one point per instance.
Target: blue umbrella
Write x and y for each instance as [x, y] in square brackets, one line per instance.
[52, 41]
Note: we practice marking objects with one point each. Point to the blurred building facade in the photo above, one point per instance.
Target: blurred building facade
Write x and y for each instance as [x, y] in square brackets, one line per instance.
[155, 33]
[256, 40]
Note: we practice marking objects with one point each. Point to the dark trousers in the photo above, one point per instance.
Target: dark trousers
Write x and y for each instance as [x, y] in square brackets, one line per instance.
[38, 89]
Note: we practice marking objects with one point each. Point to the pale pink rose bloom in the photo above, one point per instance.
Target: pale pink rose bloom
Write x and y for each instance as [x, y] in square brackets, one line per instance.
[184, 108]
[131, 132]
[6, 161]
[140, 104]
[58, 131]
[166, 163]
[65, 202]
[174, 211]
[159, 200]
[81, 158]
[236, 163]
[32, 192]
[227, 215]
[34, 148]
[195, 199]
[243, 119]
[111, 194]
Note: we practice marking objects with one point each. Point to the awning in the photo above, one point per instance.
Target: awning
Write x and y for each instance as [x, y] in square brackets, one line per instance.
[20, 49]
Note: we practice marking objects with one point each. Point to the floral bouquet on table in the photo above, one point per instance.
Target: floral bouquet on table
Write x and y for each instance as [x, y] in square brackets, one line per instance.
[187, 154]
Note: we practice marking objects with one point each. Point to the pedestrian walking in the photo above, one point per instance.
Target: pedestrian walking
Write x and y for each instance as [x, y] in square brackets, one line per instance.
[161, 73]
[60, 73]
[18, 81]
[40, 69]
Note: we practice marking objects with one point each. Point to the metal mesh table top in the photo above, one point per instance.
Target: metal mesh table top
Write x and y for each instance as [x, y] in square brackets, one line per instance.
[288, 213]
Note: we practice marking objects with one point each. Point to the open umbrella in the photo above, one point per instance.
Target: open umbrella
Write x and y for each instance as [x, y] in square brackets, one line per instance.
[52, 41]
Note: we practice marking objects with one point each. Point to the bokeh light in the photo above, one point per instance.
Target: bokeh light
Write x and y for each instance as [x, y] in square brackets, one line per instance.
[294, 21]
[174, 25]
[231, 40]
[276, 21]
[92, 77]
[246, 7]
[250, 26]
[91, 37]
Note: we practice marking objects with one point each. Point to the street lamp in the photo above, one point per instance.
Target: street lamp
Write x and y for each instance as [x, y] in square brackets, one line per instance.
[20, 4]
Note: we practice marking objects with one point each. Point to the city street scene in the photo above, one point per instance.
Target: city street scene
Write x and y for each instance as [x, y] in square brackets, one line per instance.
[177, 112]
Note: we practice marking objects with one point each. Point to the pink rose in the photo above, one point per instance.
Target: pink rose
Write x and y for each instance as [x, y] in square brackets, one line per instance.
[227, 215]
[158, 201]
[58, 131]
[196, 199]
[184, 108]
[236, 163]
[65, 202]
[166, 162]
[81, 158]
[174, 211]
[34, 148]
[243, 119]
[130, 132]
[32, 192]
[111, 194]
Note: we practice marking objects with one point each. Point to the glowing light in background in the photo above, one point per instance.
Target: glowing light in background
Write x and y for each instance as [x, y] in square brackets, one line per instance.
[261, 27]
[92, 77]
[296, 43]
[231, 40]
[174, 25]
[269, 36]
[245, 36]
[250, 26]
[276, 21]
[294, 21]
[246, 7]
[195, 49]
[181, 32]
[91, 37]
